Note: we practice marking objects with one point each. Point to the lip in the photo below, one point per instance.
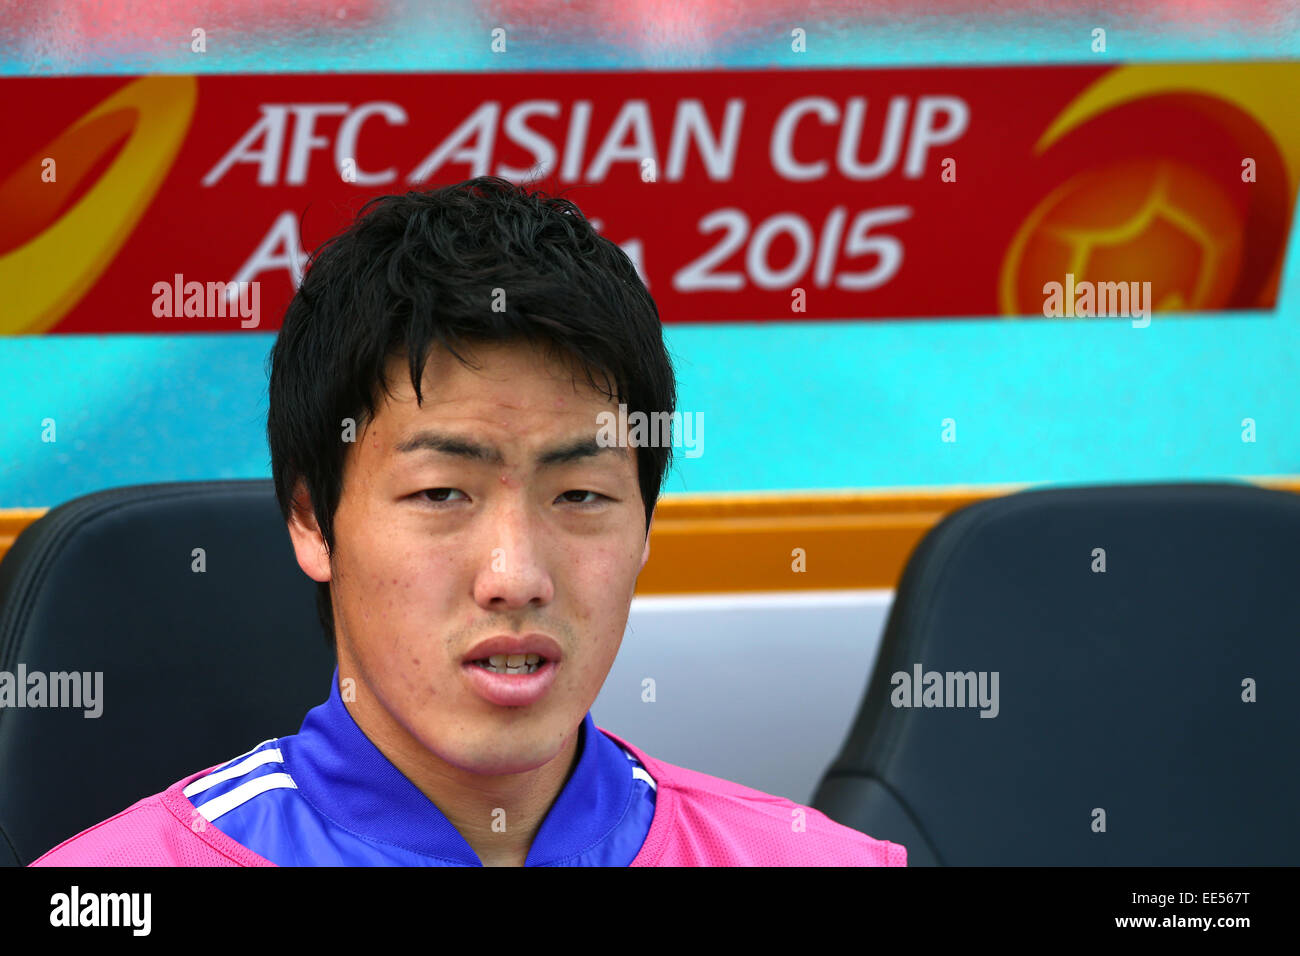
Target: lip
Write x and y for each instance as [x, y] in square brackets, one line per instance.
[539, 644]
[511, 690]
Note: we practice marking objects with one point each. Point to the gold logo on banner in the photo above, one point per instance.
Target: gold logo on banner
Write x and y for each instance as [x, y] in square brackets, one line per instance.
[48, 260]
[1155, 217]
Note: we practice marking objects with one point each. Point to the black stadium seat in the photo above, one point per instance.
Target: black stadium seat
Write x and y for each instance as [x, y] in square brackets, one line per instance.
[1119, 692]
[197, 667]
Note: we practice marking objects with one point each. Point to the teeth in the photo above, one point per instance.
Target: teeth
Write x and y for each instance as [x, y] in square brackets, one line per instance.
[514, 660]
[524, 668]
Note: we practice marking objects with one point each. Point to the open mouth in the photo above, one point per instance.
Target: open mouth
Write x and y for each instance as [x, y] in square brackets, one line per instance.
[511, 663]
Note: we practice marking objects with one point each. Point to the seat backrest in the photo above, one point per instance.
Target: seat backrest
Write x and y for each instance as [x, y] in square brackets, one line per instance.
[1146, 714]
[203, 653]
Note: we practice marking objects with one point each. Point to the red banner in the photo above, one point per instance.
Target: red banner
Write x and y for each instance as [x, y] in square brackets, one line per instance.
[182, 204]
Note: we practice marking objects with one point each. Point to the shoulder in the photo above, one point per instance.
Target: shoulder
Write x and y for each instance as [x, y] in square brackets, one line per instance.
[161, 830]
[709, 821]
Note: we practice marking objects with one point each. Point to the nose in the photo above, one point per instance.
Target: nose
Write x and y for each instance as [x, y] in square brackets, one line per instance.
[513, 574]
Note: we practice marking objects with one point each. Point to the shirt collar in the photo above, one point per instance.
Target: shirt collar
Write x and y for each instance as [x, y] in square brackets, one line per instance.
[346, 778]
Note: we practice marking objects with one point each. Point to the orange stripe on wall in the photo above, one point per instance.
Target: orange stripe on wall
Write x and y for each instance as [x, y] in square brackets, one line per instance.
[850, 539]
[746, 542]
[859, 539]
[12, 523]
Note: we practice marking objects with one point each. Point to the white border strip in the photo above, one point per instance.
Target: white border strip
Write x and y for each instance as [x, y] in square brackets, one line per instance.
[768, 599]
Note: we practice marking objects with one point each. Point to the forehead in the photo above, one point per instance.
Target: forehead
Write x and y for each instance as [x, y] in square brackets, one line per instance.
[514, 375]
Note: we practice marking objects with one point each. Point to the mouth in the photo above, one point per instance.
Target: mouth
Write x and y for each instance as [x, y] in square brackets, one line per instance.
[512, 671]
[511, 663]
[511, 654]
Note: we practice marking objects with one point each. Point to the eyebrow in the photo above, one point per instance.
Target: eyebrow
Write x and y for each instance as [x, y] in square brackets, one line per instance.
[575, 449]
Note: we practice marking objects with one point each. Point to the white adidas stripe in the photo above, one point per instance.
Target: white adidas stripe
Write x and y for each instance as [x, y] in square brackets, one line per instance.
[243, 793]
[235, 770]
[250, 750]
[639, 773]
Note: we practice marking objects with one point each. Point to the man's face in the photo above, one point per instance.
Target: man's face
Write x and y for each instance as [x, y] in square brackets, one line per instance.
[436, 551]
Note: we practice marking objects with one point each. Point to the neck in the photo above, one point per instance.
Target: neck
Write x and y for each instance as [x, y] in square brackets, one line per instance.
[498, 816]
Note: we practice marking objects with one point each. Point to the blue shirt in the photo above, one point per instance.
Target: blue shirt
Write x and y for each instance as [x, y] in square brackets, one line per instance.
[327, 796]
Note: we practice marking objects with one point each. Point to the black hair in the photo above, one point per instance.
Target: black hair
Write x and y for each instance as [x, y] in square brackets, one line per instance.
[428, 269]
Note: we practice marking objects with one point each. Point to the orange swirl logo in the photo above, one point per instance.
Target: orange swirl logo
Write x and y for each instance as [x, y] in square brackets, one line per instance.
[1160, 219]
[50, 259]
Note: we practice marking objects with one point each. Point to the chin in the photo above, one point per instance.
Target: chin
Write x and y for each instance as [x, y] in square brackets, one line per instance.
[500, 764]
[509, 750]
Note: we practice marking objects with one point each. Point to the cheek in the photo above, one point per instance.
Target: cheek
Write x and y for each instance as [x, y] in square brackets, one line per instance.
[601, 576]
[611, 560]
[389, 588]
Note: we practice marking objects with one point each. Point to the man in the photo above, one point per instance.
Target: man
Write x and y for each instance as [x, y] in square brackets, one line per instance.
[435, 400]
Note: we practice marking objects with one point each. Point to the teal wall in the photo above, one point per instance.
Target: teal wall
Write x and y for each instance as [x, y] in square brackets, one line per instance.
[785, 405]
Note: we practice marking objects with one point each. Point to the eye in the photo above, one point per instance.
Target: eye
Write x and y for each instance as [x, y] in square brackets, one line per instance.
[438, 495]
[598, 497]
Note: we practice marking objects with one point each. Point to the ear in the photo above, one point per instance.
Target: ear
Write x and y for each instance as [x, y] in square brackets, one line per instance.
[645, 552]
[308, 542]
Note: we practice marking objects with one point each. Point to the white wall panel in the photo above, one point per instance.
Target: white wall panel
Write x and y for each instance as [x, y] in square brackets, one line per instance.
[755, 688]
